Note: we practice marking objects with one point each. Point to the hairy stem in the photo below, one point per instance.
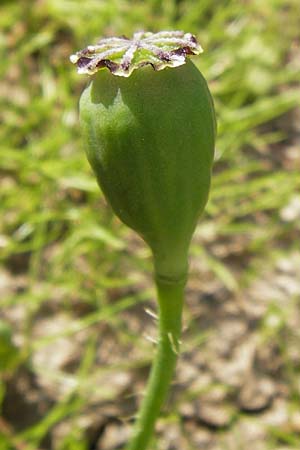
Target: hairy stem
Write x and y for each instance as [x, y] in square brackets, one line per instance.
[170, 299]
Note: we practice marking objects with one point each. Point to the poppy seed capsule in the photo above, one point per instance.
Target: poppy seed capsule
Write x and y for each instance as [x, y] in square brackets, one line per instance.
[150, 141]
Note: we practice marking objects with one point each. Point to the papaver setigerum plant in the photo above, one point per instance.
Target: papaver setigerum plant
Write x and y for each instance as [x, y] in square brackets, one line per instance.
[148, 124]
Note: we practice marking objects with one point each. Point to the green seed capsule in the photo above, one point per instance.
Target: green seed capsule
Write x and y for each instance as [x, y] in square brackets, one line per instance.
[150, 141]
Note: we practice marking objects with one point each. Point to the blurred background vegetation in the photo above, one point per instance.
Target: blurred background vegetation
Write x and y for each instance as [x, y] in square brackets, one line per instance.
[74, 282]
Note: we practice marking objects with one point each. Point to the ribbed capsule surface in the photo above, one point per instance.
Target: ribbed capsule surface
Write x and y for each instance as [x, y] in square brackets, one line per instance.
[150, 141]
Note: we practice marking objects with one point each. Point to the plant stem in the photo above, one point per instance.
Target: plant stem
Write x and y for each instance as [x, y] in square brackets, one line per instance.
[170, 299]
